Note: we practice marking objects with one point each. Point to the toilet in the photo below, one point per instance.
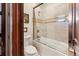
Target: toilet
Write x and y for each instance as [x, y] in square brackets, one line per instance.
[30, 51]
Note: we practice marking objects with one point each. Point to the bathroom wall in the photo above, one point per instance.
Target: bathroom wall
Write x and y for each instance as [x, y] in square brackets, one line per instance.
[28, 9]
[54, 30]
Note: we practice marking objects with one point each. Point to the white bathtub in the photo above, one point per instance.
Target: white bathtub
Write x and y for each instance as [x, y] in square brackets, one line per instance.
[49, 47]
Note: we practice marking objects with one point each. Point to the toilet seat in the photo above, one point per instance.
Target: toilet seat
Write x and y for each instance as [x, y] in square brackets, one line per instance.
[30, 50]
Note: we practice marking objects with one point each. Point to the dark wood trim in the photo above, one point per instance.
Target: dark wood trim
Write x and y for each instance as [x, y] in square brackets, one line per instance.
[17, 32]
[3, 29]
[21, 27]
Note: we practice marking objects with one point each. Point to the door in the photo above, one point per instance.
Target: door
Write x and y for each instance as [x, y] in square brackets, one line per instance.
[2, 29]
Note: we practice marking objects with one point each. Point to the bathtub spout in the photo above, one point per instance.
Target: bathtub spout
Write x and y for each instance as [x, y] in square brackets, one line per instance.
[38, 38]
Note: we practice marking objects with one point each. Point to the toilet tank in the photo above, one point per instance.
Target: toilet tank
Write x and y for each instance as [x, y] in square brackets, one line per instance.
[27, 40]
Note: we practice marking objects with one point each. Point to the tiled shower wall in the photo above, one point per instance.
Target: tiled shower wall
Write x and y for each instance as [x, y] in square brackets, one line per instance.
[54, 30]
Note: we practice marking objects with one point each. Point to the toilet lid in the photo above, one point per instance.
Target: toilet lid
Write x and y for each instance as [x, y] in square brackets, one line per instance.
[30, 50]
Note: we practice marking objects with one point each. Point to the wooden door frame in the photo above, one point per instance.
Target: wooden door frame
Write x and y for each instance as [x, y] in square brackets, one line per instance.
[17, 29]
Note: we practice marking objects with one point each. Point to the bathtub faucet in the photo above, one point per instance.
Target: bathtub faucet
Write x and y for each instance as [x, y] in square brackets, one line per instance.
[38, 35]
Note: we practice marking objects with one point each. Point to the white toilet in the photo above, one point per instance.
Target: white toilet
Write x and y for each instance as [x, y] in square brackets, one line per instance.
[30, 51]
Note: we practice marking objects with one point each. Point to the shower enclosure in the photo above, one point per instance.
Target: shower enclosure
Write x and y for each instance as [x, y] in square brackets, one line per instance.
[55, 26]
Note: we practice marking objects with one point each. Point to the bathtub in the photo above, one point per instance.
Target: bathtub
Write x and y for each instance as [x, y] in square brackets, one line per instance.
[49, 47]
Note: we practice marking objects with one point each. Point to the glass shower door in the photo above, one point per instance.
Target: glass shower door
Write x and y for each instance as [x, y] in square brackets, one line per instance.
[51, 26]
